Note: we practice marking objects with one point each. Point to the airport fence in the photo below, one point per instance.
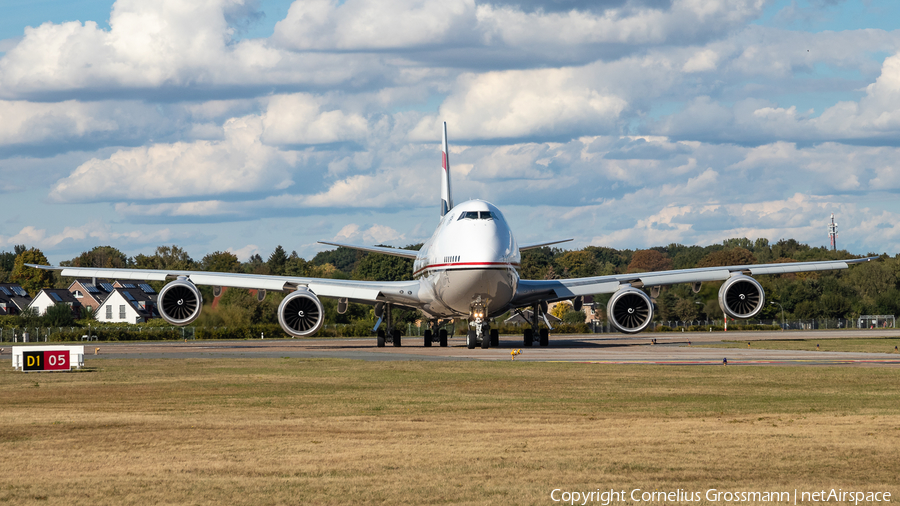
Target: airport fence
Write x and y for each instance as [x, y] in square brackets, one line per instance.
[364, 329]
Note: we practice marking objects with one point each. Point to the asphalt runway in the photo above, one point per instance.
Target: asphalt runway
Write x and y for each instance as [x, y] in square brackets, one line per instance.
[670, 349]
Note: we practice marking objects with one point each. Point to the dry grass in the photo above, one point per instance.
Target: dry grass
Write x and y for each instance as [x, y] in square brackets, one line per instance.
[858, 345]
[290, 431]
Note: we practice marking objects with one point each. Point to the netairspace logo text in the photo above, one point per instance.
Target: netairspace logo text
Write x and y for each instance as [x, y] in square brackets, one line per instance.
[607, 497]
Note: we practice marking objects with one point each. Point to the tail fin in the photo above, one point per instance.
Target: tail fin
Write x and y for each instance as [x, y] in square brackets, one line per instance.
[446, 198]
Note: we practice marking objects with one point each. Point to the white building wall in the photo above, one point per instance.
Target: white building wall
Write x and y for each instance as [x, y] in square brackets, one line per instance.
[111, 310]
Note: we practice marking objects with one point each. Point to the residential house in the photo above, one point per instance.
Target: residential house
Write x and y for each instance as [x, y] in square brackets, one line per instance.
[90, 292]
[52, 296]
[130, 305]
[13, 299]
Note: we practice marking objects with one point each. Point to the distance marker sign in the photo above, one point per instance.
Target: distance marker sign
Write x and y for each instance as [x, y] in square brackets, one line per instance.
[56, 360]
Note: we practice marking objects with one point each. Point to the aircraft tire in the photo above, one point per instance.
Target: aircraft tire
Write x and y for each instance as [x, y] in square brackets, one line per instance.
[396, 338]
[380, 340]
[442, 336]
[427, 338]
[470, 340]
[495, 338]
[485, 342]
[545, 337]
[529, 337]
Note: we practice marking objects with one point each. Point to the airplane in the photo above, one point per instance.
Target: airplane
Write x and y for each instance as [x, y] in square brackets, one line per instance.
[468, 269]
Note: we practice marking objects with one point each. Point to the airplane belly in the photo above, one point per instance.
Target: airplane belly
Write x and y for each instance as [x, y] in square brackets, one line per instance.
[460, 287]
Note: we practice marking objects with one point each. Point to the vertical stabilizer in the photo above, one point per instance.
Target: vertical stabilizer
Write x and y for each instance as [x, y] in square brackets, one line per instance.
[446, 198]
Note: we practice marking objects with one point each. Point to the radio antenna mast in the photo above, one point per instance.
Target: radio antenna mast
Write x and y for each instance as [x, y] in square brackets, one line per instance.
[832, 233]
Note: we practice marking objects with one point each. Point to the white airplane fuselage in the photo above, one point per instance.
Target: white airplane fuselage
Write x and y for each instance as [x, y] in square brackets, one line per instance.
[471, 258]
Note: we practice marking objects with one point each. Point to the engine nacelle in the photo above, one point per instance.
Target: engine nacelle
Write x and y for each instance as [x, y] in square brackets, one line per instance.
[629, 310]
[741, 297]
[301, 313]
[179, 302]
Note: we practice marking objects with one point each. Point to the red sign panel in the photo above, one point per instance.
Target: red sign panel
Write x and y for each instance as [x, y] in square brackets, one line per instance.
[57, 360]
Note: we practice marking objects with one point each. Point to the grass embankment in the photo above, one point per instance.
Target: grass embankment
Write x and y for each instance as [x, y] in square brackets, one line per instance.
[859, 345]
[291, 431]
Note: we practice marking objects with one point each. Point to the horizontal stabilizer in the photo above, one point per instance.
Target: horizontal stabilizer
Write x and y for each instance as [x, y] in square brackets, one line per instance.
[405, 253]
[541, 245]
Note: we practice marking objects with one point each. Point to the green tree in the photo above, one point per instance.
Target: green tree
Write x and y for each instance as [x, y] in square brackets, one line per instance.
[277, 261]
[687, 310]
[32, 280]
[343, 259]
[733, 256]
[649, 260]
[561, 309]
[165, 258]
[578, 264]
[574, 317]
[295, 266]
[255, 265]
[58, 315]
[535, 263]
[380, 267]
[221, 261]
[103, 257]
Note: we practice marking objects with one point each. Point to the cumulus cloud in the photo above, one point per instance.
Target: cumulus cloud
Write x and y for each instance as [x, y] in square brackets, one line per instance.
[513, 104]
[91, 233]
[432, 25]
[49, 128]
[240, 163]
[159, 46]
[369, 234]
[361, 24]
[299, 119]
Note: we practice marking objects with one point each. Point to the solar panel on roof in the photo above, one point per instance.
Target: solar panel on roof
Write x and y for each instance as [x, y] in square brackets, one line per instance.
[129, 296]
[90, 288]
[106, 286]
[5, 291]
[56, 296]
[147, 288]
[19, 291]
[128, 285]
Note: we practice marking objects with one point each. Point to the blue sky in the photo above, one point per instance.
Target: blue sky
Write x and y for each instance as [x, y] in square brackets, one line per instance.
[241, 125]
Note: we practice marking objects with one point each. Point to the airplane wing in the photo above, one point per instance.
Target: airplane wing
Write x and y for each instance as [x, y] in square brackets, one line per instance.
[398, 292]
[533, 291]
[541, 245]
[405, 253]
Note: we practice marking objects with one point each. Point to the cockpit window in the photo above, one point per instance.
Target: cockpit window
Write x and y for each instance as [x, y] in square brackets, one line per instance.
[476, 215]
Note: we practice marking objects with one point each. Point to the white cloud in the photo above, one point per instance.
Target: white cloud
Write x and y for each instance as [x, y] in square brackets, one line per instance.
[372, 234]
[362, 24]
[244, 253]
[441, 24]
[523, 103]
[160, 45]
[240, 163]
[299, 119]
[87, 234]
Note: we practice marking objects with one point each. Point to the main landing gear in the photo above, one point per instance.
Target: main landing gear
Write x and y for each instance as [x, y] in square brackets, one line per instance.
[543, 334]
[436, 334]
[388, 334]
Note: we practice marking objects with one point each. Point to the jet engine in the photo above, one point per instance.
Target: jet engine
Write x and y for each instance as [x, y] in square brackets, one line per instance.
[179, 302]
[630, 310]
[300, 313]
[741, 297]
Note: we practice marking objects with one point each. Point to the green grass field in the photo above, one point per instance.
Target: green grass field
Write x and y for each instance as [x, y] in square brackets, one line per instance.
[860, 345]
[291, 431]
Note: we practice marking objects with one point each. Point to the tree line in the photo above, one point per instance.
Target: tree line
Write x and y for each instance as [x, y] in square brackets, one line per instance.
[871, 288]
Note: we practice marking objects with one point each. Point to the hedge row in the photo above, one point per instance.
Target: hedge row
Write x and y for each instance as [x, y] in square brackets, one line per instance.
[714, 328]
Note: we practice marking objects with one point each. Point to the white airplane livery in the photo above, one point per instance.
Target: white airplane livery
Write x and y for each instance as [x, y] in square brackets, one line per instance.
[468, 269]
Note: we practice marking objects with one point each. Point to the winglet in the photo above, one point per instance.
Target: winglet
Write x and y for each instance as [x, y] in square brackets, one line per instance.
[446, 198]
